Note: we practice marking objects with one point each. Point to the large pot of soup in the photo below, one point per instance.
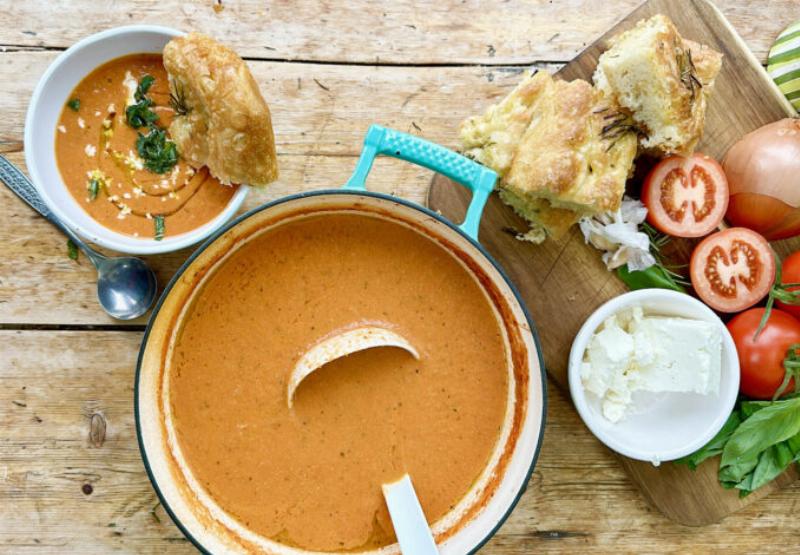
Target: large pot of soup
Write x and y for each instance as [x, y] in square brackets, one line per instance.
[240, 471]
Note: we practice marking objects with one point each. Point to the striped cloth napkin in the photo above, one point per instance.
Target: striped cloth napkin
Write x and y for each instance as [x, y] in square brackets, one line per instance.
[783, 63]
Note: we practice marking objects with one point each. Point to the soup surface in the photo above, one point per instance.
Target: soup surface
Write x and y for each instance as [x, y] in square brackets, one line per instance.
[97, 155]
[311, 476]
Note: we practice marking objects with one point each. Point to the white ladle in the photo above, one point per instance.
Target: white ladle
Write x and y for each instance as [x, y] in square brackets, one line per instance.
[409, 522]
[340, 345]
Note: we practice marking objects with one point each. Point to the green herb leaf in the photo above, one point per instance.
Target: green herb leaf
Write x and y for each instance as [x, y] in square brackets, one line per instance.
[159, 154]
[144, 86]
[74, 104]
[653, 277]
[770, 425]
[94, 187]
[159, 223]
[140, 115]
[72, 250]
[771, 463]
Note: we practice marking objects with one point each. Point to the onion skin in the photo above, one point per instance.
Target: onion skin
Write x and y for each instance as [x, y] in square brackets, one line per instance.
[763, 171]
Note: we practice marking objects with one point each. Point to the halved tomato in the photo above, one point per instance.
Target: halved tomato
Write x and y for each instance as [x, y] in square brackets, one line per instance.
[686, 197]
[732, 269]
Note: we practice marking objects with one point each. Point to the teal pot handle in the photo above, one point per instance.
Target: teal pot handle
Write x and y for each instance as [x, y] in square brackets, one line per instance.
[478, 179]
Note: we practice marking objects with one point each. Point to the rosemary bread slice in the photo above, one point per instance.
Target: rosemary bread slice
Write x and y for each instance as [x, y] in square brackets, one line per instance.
[664, 82]
[562, 151]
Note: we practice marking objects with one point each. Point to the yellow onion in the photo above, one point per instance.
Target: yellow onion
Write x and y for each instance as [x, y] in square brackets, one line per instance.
[763, 171]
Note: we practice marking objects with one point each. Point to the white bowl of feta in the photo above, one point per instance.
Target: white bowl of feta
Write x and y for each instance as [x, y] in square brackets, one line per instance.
[654, 374]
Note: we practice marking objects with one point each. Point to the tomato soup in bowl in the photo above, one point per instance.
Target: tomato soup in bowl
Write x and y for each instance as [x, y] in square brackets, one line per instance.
[116, 159]
[84, 152]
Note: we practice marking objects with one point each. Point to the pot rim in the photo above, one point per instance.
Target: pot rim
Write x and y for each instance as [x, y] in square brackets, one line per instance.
[324, 192]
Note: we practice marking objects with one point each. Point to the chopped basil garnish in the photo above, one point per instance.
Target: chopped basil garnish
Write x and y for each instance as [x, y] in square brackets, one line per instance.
[139, 114]
[72, 250]
[143, 88]
[74, 104]
[93, 186]
[159, 153]
[159, 223]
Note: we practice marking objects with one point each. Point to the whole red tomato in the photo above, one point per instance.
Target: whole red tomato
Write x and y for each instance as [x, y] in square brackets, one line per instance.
[761, 359]
[791, 274]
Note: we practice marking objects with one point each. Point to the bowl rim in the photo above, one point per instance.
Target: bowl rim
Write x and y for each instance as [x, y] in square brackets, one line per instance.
[542, 418]
[109, 238]
[730, 374]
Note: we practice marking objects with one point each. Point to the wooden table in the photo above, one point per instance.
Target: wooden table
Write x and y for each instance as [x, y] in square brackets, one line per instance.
[71, 479]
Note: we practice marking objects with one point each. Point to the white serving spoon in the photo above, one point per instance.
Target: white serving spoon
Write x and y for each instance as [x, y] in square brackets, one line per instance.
[410, 525]
[340, 345]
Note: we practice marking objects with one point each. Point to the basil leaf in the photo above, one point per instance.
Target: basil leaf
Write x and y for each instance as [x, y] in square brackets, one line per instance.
[159, 224]
[140, 115]
[144, 86]
[653, 277]
[94, 187]
[74, 104]
[770, 425]
[773, 462]
[793, 443]
[715, 446]
[159, 154]
[736, 473]
[72, 250]
[749, 408]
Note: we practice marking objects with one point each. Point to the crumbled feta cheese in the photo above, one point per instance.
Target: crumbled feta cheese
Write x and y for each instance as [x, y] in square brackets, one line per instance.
[124, 211]
[62, 129]
[636, 352]
[137, 191]
[81, 123]
[148, 215]
[133, 161]
[98, 114]
[111, 108]
[90, 150]
[126, 195]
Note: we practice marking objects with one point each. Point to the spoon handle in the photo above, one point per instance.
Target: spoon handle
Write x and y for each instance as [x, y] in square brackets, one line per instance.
[410, 524]
[19, 183]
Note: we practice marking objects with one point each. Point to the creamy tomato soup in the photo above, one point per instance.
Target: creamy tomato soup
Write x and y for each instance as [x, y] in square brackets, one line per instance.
[97, 155]
[311, 476]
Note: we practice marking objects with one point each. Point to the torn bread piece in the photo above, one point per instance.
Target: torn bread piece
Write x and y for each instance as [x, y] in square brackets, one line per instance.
[221, 119]
[492, 138]
[663, 80]
[571, 160]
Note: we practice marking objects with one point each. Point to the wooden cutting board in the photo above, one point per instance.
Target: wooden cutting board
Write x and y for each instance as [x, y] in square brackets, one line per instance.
[564, 281]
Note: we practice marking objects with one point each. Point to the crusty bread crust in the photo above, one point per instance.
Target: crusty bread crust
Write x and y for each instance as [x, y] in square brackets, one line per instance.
[663, 80]
[228, 125]
[561, 150]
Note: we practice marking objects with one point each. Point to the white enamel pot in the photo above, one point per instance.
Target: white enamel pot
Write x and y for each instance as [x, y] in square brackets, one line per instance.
[486, 506]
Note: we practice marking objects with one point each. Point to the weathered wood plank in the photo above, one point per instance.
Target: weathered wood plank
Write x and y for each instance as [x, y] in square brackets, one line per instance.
[579, 499]
[319, 108]
[402, 32]
[320, 114]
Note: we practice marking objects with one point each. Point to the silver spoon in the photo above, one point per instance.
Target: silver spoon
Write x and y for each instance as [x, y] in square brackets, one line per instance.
[126, 286]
